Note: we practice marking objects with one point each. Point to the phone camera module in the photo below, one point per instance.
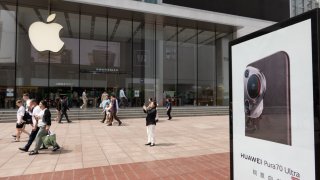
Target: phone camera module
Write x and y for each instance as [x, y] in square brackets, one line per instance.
[255, 88]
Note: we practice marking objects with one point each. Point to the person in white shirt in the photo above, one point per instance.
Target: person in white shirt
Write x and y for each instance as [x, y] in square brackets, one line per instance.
[27, 101]
[123, 98]
[35, 111]
[84, 99]
[20, 123]
[106, 114]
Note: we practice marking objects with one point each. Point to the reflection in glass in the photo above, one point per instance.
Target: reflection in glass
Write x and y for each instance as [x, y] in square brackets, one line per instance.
[167, 66]
[7, 55]
[64, 65]
[93, 55]
[106, 50]
[187, 66]
[31, 66]
[120, 58]
[206, 68]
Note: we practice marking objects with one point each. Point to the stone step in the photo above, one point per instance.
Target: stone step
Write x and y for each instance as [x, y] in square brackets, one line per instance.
[78, 114]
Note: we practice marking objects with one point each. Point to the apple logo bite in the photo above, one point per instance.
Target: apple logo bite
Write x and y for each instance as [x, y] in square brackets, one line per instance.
[45, 36]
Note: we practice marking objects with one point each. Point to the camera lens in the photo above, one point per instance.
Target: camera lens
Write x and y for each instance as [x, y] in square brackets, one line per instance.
[246, 73]
[253, 86]
[246, 105]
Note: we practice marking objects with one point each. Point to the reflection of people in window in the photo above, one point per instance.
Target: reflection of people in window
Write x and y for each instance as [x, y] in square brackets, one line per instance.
[141, 58]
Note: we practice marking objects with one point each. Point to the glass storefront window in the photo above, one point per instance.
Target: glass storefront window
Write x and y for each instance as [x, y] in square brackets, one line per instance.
[120, 58]
[31, 65]
[167, 66]
[108, 50]
[222, 63]
[143, 62]
[7, 54]
[64, 65]
[206, 68]
[94, 62]
[187, 66]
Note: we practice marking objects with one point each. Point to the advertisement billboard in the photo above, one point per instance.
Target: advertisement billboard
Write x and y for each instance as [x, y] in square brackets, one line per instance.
[272, 103]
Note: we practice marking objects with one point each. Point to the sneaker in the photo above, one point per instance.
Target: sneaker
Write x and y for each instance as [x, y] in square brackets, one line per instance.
[152, 144]
[23, 149]
[43, 147]
[14, 136]
[33, 153]
[120, 123]
[69, 121]
[148, 144]
[109, 125]
[56, 148]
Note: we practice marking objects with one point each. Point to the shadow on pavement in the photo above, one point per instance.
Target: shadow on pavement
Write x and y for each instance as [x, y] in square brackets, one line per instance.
[165, 144]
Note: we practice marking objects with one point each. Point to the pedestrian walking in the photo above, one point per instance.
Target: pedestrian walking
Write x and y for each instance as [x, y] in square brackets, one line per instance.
[44, 123]
[58, 109]
[151, 122]
[104, 96]
[84, 100]
[123, 98]
[106, 114]
[26, 105]
[64, 109]
[169, 108]
[113, 109]
[20, 123]
[35, 111]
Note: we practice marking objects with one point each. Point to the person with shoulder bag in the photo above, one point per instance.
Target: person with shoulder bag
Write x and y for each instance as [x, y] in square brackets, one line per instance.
[44, 123]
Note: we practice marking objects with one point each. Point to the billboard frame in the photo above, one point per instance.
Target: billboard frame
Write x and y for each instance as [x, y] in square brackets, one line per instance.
[314, 16]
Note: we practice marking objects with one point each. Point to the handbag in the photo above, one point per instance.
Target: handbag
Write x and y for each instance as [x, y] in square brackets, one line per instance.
[49, 140]
[27, 118]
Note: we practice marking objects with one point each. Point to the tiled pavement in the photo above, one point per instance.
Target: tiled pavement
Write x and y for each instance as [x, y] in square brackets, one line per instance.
[186, 148]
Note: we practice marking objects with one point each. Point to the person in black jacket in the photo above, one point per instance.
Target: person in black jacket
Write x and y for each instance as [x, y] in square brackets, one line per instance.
[168, 108]
[44, 123]
[64, 109]
[151, 122]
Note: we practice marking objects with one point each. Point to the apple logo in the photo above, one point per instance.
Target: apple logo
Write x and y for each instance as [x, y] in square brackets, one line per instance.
[45, 36]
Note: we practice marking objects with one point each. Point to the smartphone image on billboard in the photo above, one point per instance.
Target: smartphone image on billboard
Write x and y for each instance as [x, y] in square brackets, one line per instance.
[267, 99]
